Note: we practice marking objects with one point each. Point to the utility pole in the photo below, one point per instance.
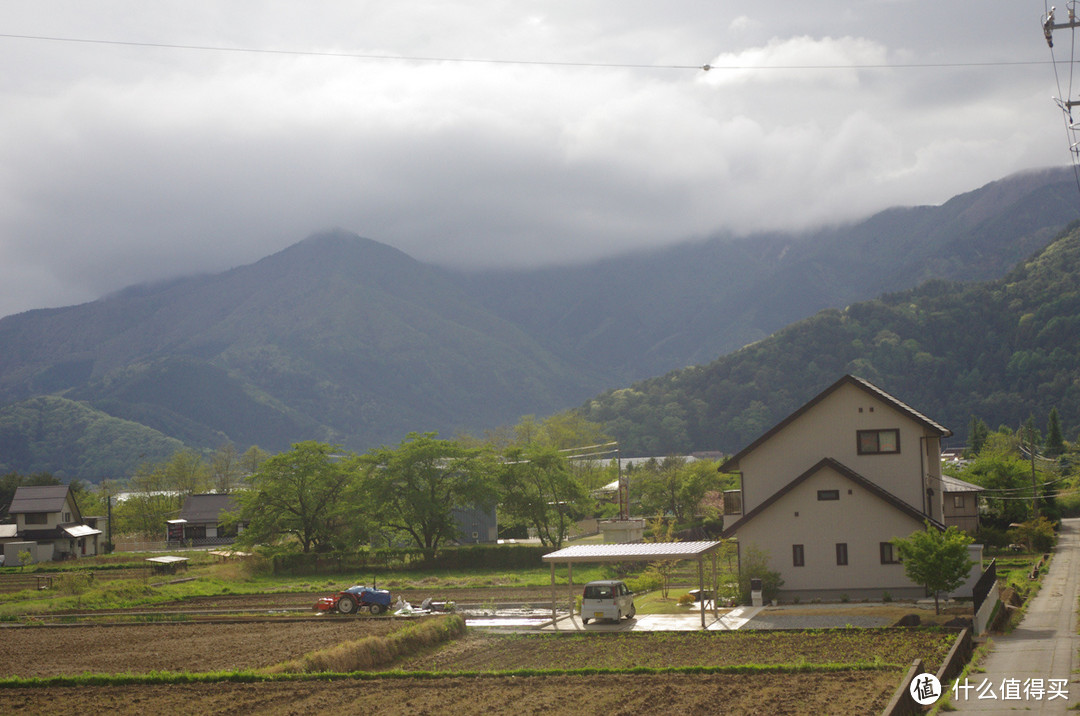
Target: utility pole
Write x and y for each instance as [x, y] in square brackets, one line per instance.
[1030, 430]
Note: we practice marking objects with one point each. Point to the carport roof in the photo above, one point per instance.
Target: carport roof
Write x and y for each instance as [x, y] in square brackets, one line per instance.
[651, 551]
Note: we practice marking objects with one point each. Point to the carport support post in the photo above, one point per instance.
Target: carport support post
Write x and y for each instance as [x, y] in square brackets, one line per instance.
[715, 588]
[570, 586]
[701, 587]
[553, 592]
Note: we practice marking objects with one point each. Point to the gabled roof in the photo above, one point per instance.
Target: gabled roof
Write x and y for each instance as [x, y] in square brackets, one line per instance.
[860, 383]
[38, 498]
[844, 471]
[207, 508]
[955, 484]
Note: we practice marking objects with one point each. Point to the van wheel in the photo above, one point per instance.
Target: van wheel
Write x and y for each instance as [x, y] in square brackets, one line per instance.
[618, 618]
[633, 611]
[584, 620]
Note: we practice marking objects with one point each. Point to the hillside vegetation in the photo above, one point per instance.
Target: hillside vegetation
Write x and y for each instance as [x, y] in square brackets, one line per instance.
[999, 350]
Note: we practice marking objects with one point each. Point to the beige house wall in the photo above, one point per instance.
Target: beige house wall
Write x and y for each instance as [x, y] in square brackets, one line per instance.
[966, 516]
[829, 429]
[859, 518]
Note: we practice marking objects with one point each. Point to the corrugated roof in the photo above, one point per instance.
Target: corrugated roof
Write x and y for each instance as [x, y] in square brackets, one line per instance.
[953, 484]
[8, 531]
[38, 498]
[77, 531]
[635, 551]
[207, 508]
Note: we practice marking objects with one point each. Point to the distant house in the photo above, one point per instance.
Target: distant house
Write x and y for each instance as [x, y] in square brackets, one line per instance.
[48, 524]
[960, 504]
[201, 521]
[825, 491]
[476, 525]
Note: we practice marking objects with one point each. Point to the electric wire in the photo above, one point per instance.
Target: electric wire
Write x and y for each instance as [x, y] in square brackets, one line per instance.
[1071, 135]
[553, 63]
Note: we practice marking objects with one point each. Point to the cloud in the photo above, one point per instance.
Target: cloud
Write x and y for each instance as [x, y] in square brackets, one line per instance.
[592, 133]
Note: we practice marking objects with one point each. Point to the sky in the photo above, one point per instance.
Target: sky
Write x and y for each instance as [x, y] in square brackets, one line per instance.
[141, 141]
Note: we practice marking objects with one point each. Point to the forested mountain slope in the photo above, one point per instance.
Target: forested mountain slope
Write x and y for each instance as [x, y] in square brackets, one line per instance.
[644, 314]
[336, 338]
[999, 350]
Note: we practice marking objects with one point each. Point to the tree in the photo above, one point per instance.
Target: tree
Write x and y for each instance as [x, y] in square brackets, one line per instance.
[977, 434]
[225, 468]
[673, 487]
[414, 488]
[1055, 443]
[538, 490]
[936, 559]
[303, 493]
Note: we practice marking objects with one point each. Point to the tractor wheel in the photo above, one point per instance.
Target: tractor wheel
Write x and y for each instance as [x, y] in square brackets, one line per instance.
[378, 609]
[346, 605]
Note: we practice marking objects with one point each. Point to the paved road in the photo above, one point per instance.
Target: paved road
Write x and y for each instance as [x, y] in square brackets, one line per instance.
[1035, 662]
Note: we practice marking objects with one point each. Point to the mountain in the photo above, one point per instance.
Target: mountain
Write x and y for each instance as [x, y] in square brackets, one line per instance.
[343, 339]
[337, 338]
[645, 314]
[998, 350]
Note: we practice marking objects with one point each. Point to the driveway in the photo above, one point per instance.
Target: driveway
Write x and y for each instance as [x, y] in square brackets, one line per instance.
[1031, 669]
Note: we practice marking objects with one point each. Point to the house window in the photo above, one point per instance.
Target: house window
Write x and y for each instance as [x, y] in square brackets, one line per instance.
[878, 442]
[36, 518]
[67, 517]
[823, 495]
[888, 553]
[958, 501]
[841, 553]
[798, 559]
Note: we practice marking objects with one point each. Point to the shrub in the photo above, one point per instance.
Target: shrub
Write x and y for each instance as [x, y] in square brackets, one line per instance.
[1037, 534]
[685, 599]
[755, 564]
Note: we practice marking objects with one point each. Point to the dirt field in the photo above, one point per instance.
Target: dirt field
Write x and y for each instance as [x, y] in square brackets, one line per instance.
[611, 695]
[481, 651]
[57, 650]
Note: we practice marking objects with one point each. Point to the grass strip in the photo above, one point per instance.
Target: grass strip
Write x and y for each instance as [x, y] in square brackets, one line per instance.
[172, 677]
[374, 651]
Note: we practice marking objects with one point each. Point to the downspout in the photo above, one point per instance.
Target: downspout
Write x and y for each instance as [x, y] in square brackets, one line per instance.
[922, 472]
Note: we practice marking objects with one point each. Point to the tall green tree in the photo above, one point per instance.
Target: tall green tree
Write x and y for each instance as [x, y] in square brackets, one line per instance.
[1055, 443]
[414, 488]
[673, 487]
[977, 434]
[936, 559]
[303, 493]
[538, 489]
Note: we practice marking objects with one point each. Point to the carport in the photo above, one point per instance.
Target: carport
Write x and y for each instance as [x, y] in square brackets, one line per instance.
[636, 552]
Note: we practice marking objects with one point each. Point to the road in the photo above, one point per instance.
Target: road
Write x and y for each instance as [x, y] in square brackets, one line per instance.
[1031, 669]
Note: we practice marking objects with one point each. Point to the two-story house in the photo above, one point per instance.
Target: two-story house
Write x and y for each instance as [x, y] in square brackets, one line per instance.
[49, 525]
[825, 491]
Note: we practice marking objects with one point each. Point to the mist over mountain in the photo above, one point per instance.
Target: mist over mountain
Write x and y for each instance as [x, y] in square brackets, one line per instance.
[343, 339]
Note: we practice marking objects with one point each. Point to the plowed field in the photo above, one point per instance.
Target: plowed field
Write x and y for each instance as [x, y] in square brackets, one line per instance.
[860, 692]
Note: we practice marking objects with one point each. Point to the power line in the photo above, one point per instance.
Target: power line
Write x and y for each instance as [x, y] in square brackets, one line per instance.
[551, 63]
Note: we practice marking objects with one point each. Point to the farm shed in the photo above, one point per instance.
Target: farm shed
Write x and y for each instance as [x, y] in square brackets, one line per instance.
[636, 552]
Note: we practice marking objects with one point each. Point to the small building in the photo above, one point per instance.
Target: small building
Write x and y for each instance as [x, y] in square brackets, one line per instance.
[202, 521]
[960, 504]
[476, 525]
[48, 517]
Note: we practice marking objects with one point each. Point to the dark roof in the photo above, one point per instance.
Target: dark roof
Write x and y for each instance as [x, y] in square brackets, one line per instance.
[860, 383]
[955, 484]
[207, 508]
[38, 498]
[846, 472]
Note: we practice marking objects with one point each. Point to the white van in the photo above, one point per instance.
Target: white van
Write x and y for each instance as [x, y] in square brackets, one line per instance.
[607, 599]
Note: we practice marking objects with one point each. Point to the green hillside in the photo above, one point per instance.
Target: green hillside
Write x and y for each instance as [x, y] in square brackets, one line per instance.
[999, 350]
[71, 439]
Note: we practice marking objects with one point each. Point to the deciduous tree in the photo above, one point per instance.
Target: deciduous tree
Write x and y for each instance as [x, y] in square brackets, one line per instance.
[936, 559]
[414, 488]
[304, 493]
